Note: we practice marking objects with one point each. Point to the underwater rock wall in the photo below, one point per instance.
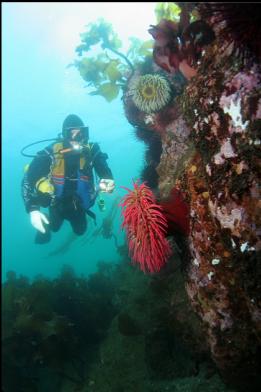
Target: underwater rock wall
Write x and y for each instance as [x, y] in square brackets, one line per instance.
[222, 107]
[210, 138]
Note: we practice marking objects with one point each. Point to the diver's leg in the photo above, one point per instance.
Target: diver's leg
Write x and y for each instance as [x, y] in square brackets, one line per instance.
[42, 238]
[56, 217]
[78, 221]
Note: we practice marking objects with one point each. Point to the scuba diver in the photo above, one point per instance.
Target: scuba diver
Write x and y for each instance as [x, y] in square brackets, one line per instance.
[61, 177]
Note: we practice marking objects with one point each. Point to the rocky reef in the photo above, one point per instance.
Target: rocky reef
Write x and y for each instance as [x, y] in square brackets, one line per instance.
[51, 328]
[116, 330]
[210, 135]
[155, 342]
[222, 184]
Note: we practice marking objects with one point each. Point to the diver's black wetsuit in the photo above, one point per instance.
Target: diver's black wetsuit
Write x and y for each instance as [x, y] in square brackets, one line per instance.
[69, 206]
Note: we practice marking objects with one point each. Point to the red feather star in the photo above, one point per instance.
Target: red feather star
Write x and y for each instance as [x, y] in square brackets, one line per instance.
[145, 226]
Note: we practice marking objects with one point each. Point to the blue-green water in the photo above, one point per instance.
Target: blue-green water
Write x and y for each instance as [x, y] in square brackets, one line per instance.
[39, 91]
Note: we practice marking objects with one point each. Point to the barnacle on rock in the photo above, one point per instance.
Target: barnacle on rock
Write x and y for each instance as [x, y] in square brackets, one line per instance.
[150, 92]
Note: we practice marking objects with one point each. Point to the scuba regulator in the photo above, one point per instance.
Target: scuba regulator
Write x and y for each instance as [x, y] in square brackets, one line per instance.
[77, 136]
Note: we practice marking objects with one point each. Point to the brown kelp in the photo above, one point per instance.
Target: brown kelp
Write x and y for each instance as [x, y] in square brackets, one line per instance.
[51, 328]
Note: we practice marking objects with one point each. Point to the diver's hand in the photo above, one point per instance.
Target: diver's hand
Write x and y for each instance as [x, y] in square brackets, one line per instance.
[106, 185]
[37, 220]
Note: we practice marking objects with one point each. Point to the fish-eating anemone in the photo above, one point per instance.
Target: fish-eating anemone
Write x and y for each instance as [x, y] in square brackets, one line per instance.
[150, 92]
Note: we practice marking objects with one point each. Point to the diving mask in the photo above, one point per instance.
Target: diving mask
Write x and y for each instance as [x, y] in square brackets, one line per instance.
[77, 134]
[77, 137]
